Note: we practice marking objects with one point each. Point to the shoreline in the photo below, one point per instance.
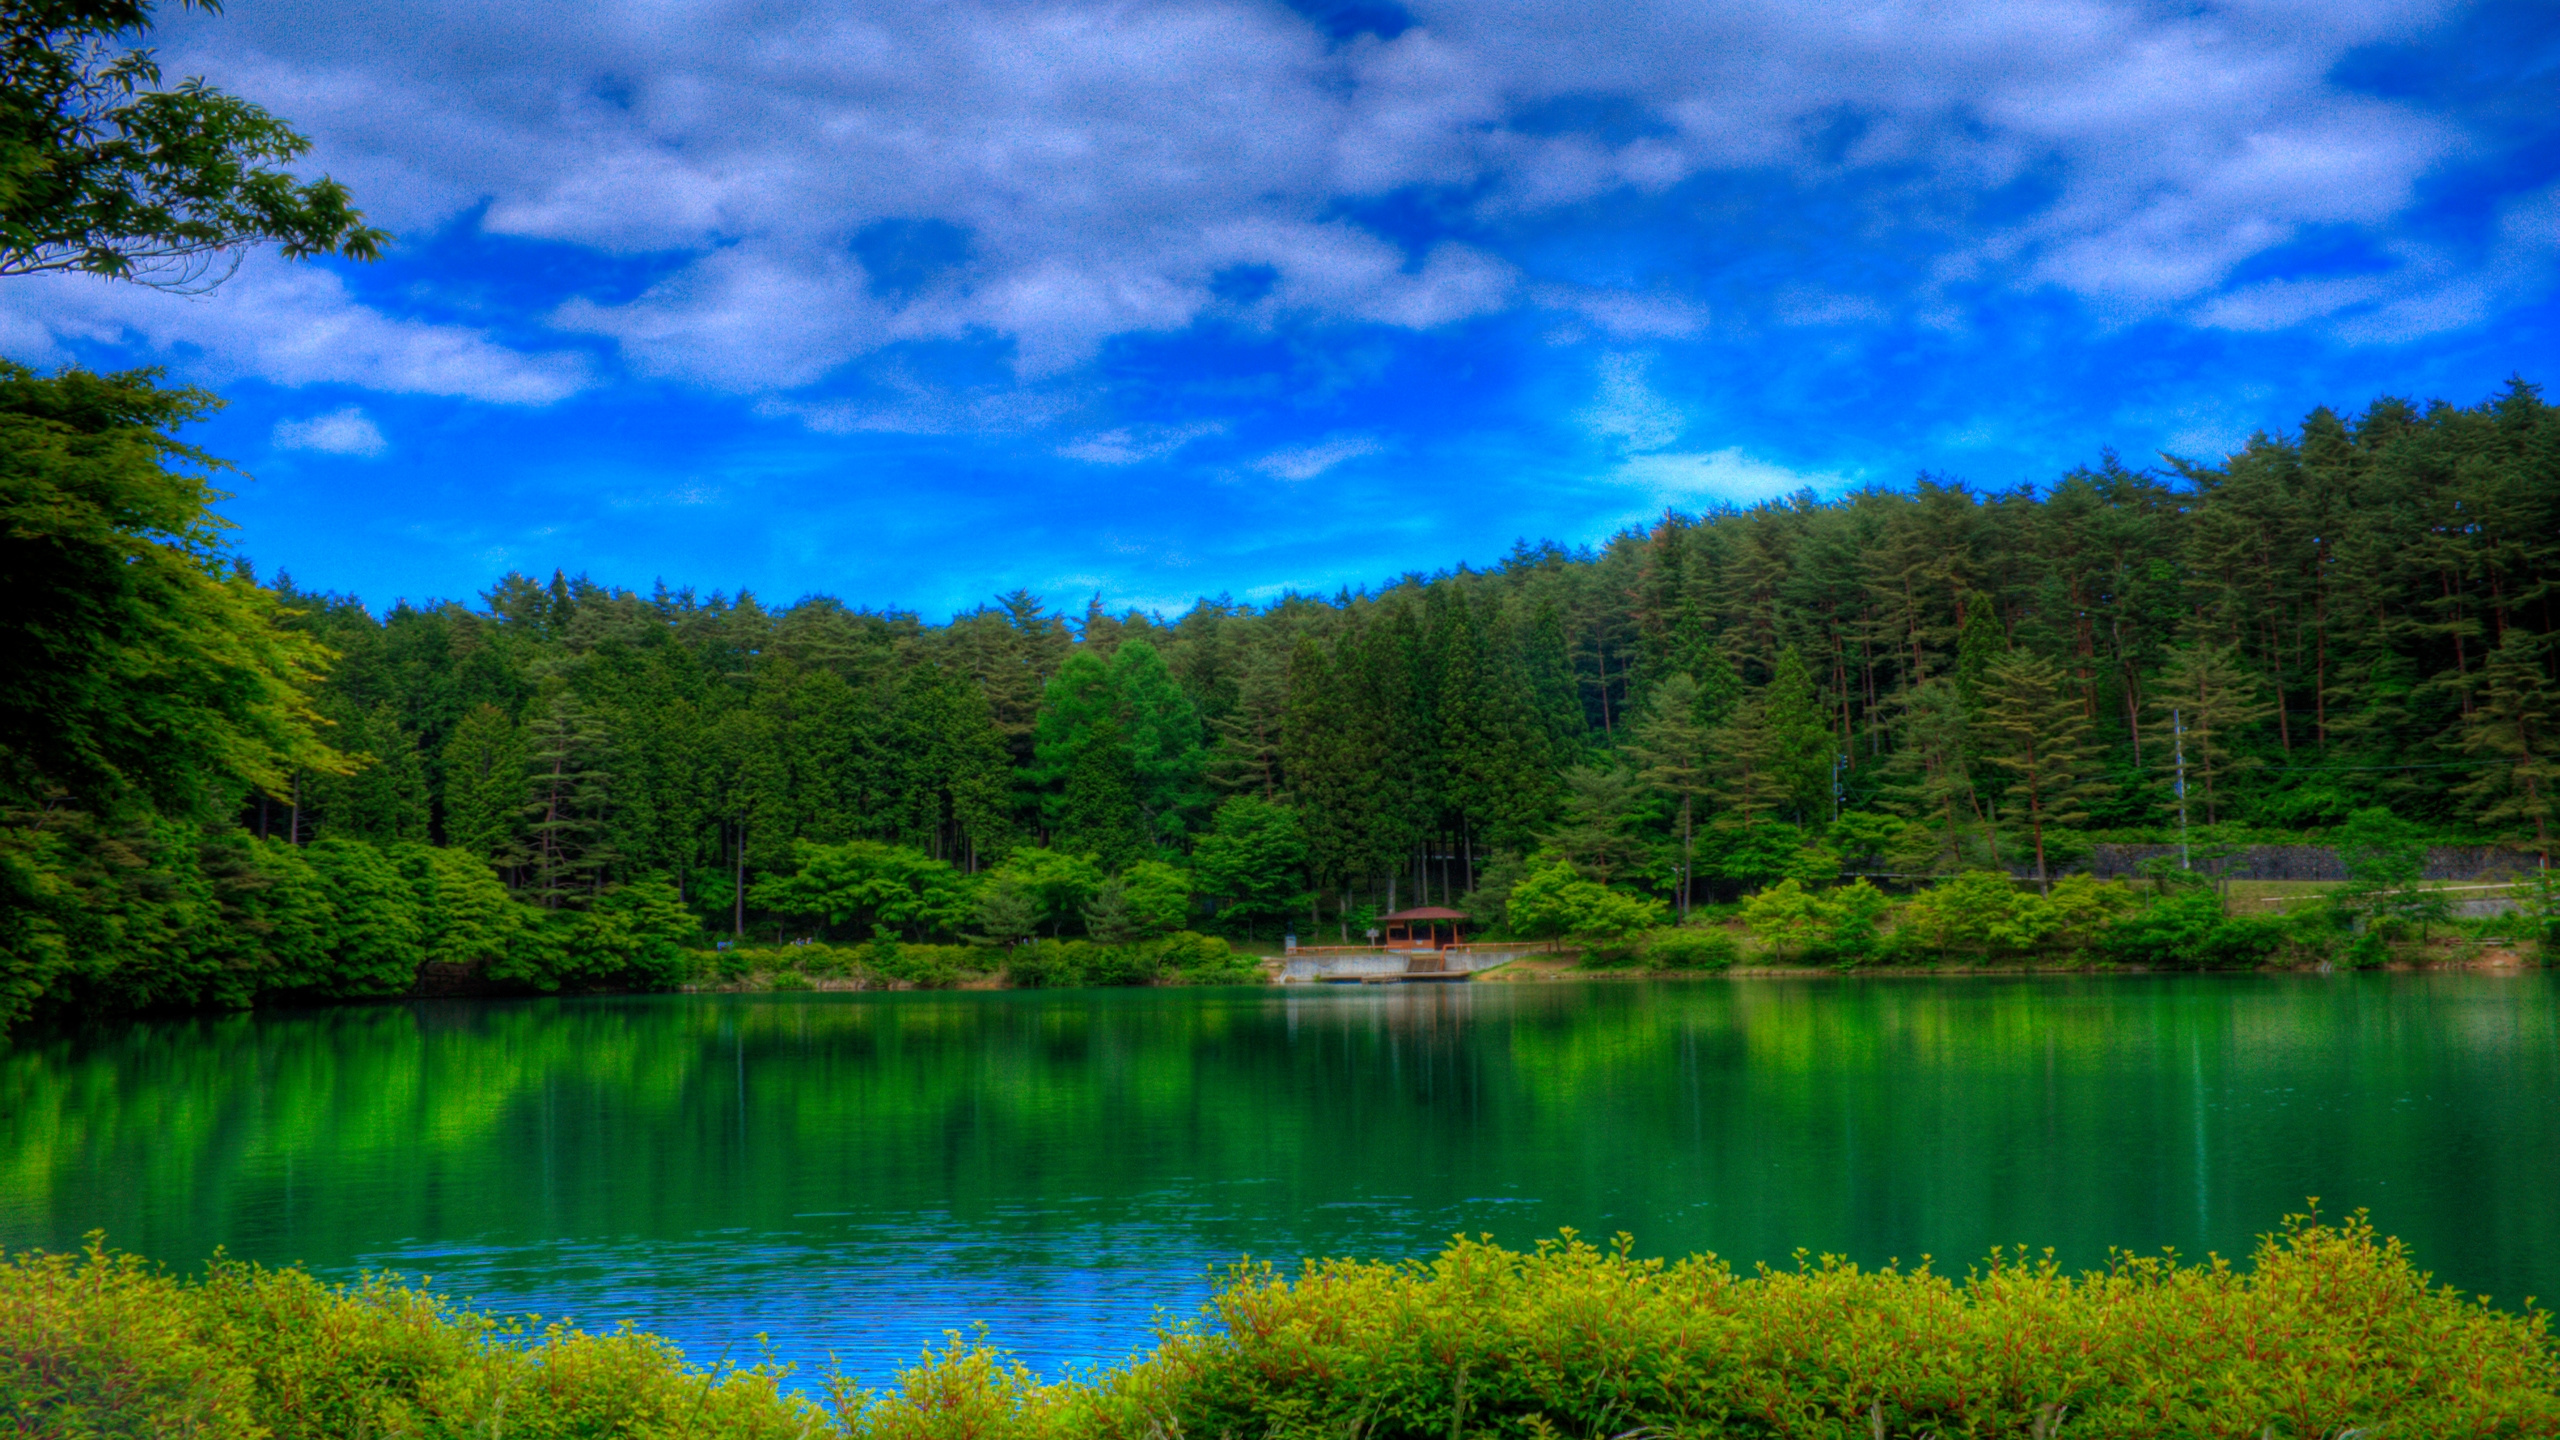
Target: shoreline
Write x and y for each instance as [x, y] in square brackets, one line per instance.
[1542, 972]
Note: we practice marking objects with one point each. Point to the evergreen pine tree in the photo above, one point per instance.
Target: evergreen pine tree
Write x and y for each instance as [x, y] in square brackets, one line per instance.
[385, 799]
[1162, 731]
[2512, 727]
[1595, 831]
[1097, 812]
[1932, 770]
[565, 765]
[1670, 745]
[2035, 727]
[2206, 693]
[484, 787]
[1796, 734]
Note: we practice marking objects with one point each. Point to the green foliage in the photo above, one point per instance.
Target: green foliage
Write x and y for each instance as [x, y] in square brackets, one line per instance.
[1983, 915]
[1757, 853]
[631, 937]
[2385, 856]
[1794, 921]
[1156, 898]
[1253, 860]
[866, 883]
[377, 935]
[1556, 901]
[1184, 957]
[1058, 884]
[1007, 912]
[1797, 740]
[2516, 728]
[141, 669]
[1689, 948]
[101, 1346]
[103, 171]
[2329, 1330]
[484, 783]
[1122, 743]
[1595, 831]
[2036, 730]
[2342, 619]
[2187, 930]
[1787, 918]
[384, 799]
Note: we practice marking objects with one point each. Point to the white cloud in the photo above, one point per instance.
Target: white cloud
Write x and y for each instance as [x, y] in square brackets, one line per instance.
[1627, 411]
[290, 324]
[2276, 304]
[1678, 478]
[1306, 462]
[1108, 163]
[1129, 444]
[340, 432]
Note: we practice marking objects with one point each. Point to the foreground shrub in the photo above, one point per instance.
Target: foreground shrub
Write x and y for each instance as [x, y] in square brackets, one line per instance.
[2330, 1330]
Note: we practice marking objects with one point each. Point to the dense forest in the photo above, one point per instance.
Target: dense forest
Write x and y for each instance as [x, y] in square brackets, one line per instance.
[222, 789]
[215, 790]
[1933, 676]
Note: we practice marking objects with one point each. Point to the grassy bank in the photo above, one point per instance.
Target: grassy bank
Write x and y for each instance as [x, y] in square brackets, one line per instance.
[2329, 1329]
[1182, 958]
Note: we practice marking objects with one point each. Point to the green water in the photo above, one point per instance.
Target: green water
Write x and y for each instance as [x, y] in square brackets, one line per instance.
[854, 1174]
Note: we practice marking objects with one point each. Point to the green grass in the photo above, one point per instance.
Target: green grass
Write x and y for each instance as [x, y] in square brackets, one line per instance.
[2329, 1329]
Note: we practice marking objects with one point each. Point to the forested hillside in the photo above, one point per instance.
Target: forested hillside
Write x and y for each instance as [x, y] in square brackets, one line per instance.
[2358, 614]
[1917, 680]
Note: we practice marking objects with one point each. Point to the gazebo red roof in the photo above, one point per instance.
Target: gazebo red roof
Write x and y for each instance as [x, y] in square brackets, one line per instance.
[1427, 912]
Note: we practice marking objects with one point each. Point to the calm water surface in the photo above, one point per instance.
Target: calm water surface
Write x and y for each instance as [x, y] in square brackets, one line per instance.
[855, 1174]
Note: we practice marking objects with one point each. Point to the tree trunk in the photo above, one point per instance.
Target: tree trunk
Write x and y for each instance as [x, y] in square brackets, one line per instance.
[1688, 857]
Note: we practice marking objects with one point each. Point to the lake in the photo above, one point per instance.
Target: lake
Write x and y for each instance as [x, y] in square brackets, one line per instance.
[854, 1174]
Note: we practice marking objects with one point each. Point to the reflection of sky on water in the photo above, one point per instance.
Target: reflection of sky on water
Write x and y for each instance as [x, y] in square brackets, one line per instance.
[1064, 1285]
[866, 1296]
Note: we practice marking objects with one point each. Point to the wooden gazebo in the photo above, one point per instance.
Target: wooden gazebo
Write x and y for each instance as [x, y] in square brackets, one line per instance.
[1420, 927]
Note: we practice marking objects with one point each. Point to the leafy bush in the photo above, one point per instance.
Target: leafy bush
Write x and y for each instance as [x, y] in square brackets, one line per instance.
[1184, 956]
[1985, 915]
[464, 913]
[863, 884]
[1206, 960]
[1555, 900]
[1690, 948]
[2186, 930]
[1838, 924]
[100, 1345]
[927, 967]
[2329, 1330]
[631, 937]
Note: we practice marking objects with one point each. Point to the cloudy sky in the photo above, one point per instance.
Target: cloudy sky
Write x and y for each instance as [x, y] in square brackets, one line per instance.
[917, 302]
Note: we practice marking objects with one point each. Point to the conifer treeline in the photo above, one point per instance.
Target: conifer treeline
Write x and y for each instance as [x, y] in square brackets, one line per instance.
[2357, 614]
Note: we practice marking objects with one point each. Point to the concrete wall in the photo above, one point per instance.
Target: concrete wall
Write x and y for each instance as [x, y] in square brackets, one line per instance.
[1347, 964]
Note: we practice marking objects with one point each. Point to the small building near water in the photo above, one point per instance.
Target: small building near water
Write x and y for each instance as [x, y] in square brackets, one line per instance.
[1424, 927]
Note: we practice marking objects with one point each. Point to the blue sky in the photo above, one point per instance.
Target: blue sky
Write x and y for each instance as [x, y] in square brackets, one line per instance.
[914, 303]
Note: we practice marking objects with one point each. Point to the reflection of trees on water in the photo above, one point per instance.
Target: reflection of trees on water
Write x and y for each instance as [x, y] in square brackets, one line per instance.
[1875, 1117]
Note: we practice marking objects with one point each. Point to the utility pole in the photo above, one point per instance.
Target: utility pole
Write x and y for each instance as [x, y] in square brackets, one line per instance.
[2178, 727]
